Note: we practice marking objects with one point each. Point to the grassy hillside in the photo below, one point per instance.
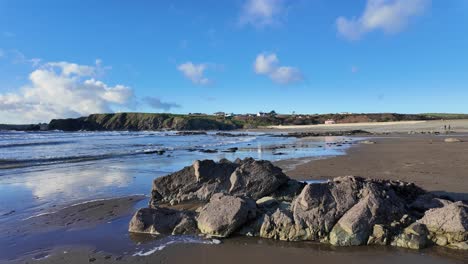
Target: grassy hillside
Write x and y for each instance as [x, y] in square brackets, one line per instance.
[151, 121]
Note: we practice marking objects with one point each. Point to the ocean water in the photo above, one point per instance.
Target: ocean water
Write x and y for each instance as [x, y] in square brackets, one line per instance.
[42, 171]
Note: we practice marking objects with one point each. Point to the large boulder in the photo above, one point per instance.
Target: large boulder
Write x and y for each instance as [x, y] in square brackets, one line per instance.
[319, 206]
[256, 179]
[196, 182]
[378, 206]
[158, 221]
[224, 214]
[448, 226]
[200, 181]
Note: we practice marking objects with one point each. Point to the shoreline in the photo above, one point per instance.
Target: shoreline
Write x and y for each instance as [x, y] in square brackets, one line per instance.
[428, 161]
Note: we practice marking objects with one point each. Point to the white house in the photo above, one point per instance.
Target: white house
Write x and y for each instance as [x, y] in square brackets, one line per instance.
[330, 122]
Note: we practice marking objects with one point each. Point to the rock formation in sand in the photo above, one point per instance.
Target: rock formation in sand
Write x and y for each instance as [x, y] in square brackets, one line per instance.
[255, 198]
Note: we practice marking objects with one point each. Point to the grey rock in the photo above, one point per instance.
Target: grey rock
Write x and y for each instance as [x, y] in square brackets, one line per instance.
[319, 206]
[256, 179]
[224, 214]
[160, 221]
[447, 225]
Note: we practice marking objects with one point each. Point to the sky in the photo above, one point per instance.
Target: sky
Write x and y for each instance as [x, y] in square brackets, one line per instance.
[78, 57]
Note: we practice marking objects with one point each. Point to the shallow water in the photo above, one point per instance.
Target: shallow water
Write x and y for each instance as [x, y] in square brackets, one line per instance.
[43, 171]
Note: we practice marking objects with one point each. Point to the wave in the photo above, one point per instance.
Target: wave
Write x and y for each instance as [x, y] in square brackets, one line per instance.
[30, 144]
[21, 163]
[163, 243]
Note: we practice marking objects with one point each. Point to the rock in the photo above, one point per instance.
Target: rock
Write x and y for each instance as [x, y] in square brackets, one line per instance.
[197, 182]
[378, 206]
[267, 201]
[319, 206]
[161, 221]
[256, 179]
[280, 225]
[200, 181]
[224, 214]
[447, 225]
[414, 237]
[289, 190]
[367, 142]
[452, 140]
[379, 236]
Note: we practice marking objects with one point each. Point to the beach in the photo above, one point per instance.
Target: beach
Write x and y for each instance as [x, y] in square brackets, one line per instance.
[425, 159]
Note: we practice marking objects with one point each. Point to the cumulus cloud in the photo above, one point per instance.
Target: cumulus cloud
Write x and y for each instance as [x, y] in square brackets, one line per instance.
[390, 16]
[194, 72]
[156, 103]
[261, 13]
[62, 89]
[268, 64]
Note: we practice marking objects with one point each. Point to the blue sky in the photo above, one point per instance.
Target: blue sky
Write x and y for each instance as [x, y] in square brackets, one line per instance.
[72, 58]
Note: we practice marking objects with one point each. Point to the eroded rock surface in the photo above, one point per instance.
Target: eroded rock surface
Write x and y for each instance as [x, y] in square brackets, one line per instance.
[224, 214]
[255, 198]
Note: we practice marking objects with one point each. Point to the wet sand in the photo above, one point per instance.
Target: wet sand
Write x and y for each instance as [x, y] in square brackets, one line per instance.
[254, 250]
[427, 161]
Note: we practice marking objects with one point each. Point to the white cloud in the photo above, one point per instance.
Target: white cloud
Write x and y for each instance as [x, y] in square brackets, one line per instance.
[260, 13]
[267, 64]
[390, 16]
[156, 103]
[194, 72]
[62, 89]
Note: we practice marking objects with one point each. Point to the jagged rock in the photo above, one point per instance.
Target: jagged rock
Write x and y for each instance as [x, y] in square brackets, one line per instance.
[161, 221]
[414, 237]
[379, 236]
[280, 225]
[200, 181]
[256, 179]
[196, 182]
[448, 226]
[254, 198]
[319, 206]
[378, 206]
[224, 214]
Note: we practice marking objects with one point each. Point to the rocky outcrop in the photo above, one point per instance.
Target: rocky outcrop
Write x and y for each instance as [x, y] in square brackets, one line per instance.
[142, 121]
[204, 178]
[255, 198]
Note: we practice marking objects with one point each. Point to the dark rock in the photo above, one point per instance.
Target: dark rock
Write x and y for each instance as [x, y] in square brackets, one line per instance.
[162, 221]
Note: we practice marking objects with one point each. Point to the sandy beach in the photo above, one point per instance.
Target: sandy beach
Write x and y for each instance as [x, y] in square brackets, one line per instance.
[427, 161]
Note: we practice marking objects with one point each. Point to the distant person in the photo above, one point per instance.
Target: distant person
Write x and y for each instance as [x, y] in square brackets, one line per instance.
[445, 127]
[449, 128]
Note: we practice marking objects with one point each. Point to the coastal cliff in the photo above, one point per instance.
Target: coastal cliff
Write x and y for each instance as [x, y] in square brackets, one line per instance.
[142, 121]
